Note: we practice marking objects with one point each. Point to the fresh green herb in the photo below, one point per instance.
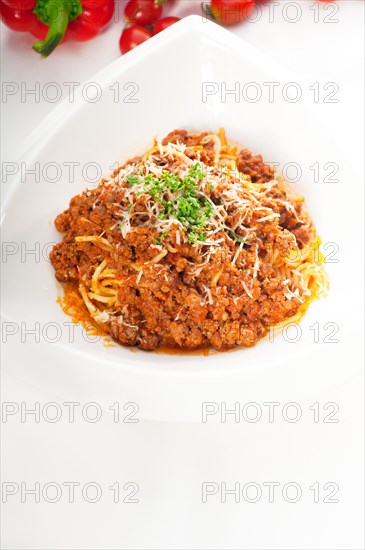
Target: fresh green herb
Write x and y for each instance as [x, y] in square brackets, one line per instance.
[236, 238]
[187, 206]
[132, 180]
[168, 209]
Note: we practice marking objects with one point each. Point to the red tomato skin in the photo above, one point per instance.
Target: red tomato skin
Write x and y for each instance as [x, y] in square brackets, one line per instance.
[132, 37]
[231, 12]
[92, 20]
[142, 12]
[164, 23]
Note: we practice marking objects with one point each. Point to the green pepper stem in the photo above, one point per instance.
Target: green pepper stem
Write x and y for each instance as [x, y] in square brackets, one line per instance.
[57, 29]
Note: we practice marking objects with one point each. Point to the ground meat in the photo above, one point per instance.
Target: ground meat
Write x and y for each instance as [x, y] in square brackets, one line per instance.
[205, 152]
[123, 332]
[183, 136]
[303, 234]
[191, 296]
[65, 258]
[253, 166]
[63, 221]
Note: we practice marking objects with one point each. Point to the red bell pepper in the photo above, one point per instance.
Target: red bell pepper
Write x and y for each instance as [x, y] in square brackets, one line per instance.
[55, 21]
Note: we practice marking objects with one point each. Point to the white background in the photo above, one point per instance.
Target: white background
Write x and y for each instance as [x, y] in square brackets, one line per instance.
[169, 461]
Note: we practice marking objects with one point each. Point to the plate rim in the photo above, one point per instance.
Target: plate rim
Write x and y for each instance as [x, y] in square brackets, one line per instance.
[64, 111]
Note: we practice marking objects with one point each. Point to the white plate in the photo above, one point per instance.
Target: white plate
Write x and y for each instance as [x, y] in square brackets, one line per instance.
[163, 80]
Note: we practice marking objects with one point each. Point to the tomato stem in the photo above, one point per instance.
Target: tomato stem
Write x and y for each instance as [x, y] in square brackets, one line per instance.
[207, 11]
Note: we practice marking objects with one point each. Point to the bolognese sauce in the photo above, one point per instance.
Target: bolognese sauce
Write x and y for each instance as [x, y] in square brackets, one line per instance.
[195, 244]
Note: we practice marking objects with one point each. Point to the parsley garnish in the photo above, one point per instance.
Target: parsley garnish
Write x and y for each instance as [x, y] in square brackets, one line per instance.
[186, 205]
[132, 180]
[236, 238]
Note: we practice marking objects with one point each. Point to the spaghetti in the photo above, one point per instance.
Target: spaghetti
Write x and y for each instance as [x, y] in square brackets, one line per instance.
[194, 244]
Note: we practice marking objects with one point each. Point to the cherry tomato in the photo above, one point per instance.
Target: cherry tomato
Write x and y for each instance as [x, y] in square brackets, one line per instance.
[133, 36]
[95, 15]
[230, 12]
[164, 23]
[18, 20]
[143, 12]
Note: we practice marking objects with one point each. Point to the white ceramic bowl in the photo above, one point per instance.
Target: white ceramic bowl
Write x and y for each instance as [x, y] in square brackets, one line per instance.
[160, 86]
